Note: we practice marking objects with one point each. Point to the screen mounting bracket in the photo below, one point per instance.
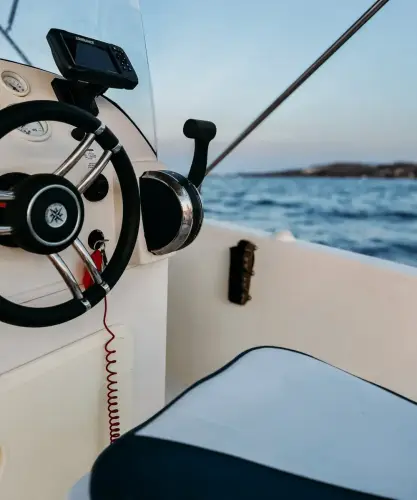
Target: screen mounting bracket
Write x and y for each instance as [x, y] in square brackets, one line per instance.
[80, 94]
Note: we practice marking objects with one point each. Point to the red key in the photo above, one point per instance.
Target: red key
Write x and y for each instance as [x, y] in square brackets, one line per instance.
[97, 257]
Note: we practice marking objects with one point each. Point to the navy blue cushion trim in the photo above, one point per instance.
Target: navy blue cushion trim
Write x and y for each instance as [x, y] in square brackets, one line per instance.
[145, 468]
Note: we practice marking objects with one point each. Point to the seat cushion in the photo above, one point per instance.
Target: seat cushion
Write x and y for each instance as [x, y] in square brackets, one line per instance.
[271, 423]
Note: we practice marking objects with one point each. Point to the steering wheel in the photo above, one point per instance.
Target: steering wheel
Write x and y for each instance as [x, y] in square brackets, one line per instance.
[45, 213]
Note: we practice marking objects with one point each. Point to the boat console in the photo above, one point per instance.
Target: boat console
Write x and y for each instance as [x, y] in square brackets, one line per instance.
[83, 251]
[96, 329]
[43, 213]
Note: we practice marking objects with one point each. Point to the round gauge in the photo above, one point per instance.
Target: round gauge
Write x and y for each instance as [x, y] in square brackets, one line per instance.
[35, 131]
[15, 84]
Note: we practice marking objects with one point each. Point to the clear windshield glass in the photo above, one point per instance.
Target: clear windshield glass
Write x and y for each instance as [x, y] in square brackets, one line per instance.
[25, 23]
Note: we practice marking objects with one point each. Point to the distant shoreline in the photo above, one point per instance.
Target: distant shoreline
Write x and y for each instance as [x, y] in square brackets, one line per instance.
[397, 170]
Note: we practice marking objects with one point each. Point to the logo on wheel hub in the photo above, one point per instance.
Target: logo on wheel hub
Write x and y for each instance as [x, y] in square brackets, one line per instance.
[56, 215]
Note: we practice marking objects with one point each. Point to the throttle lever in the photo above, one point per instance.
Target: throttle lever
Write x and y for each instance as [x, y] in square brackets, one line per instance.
[202, 132]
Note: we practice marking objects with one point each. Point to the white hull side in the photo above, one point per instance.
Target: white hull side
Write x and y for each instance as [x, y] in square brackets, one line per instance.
[354, 312]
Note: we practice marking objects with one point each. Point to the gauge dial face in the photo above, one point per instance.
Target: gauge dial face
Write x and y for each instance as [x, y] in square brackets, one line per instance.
[35, 131]
[15, 83]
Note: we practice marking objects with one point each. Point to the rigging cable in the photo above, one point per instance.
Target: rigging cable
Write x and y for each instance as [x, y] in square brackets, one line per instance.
[5, 32]
[369, 14]
[12, 15]
[23, 56]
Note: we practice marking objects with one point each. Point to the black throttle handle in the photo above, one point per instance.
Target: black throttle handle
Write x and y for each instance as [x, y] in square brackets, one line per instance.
[202, 132]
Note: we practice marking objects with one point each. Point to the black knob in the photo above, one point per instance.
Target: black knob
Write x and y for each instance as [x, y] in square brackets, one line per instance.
[95, 238]
[77, 134]
[202, 132]
[98, 190]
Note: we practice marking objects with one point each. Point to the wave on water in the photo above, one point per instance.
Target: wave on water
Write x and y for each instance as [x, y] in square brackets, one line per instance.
[376, 217]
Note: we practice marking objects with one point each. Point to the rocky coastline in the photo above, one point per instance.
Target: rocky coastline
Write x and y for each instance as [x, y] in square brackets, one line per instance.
[353, 170]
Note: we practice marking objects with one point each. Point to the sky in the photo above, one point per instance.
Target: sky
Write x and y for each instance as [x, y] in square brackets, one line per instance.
[226, 60]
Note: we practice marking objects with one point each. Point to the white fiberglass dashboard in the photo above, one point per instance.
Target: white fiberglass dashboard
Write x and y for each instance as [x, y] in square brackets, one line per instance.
[41, 147]
[49, 361]
[30, 279]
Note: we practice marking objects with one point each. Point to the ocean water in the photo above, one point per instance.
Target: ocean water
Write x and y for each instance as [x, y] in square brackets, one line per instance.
[376, 217]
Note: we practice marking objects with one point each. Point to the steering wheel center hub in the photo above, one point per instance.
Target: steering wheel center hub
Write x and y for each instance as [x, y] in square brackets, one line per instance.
[56, 215]
[47, 214]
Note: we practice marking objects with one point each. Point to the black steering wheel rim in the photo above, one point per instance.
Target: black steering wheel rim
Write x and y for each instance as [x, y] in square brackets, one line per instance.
[20, 114]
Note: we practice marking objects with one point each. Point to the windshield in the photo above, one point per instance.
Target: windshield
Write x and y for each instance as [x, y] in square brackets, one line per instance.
[24, 25]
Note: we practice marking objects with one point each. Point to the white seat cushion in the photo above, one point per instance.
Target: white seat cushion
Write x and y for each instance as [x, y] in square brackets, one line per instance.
[286, 412]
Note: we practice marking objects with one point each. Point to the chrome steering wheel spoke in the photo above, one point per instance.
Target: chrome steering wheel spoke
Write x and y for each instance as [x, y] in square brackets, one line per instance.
[68, 164]
[6, 196]
[6, 230]
[92, 175]
[75, 156]
[68, 278]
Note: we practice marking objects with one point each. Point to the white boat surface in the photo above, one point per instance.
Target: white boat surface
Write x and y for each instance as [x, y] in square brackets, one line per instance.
[325, 408]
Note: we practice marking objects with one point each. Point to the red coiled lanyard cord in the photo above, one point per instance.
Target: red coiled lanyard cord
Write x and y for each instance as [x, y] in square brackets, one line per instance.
[98, 257]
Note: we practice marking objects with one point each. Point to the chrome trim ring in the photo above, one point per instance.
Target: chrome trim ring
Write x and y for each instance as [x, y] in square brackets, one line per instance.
[100, 130]
[186, 206]
[29, 220]
[7, 196]
[6, 230]
[86, 304]
[116, 148]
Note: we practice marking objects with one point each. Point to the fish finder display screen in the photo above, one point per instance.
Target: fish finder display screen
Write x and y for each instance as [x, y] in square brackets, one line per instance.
[90, 56]
[83, 59]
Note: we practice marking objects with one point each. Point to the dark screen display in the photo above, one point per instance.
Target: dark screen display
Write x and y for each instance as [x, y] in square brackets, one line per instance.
[90, 56]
